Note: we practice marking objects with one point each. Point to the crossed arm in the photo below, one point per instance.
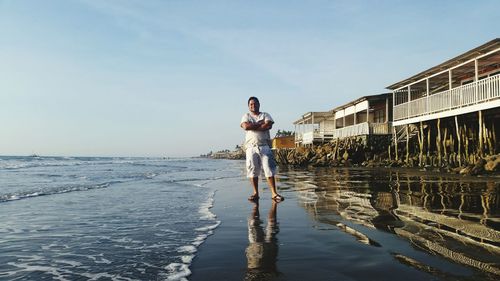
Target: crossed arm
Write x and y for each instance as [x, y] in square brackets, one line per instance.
[259, 126]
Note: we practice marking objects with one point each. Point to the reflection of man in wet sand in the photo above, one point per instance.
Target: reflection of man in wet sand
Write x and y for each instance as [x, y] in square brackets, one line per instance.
[262, 250]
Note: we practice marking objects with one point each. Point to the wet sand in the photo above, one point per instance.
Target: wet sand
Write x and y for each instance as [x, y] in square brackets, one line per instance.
[304, 238]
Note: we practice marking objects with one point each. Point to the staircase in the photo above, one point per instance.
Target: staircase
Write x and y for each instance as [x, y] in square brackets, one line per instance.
[401, 132]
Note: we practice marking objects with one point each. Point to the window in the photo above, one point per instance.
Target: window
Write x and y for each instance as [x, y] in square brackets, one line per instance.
[379, 116]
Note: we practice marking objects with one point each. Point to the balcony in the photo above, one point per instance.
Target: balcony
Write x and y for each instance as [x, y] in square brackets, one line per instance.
[462, 97]
[361, 129]
[316, 136]
[366, 128]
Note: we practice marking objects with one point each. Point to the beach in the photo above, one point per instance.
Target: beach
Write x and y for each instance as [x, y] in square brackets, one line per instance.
[354, 224]
[97, 218]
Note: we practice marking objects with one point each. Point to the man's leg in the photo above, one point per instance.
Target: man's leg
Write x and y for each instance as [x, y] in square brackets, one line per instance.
[255, 185]
[253, 170]
[269, 166]
[272, 184]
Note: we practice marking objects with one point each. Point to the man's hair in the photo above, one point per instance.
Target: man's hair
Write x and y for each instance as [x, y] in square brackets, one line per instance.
[253, 98]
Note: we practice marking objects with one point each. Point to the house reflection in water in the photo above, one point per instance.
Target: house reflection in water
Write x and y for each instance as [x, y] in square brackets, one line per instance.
[452, 217]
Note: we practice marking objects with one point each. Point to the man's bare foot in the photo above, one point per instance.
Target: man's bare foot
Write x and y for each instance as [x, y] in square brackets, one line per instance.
[253, 197]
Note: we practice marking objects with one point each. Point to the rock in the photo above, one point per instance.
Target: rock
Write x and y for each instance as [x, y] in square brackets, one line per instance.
[466, 170]
[353, 152]
[345, 156]
[492, 164]
[370, 164]
[492, 157]
[478, 167]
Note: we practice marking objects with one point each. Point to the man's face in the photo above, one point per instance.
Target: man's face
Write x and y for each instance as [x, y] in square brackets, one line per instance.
[254, 106]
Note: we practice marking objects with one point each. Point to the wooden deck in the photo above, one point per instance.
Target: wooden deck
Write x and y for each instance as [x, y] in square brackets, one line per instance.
[366, 128]
[479, 95]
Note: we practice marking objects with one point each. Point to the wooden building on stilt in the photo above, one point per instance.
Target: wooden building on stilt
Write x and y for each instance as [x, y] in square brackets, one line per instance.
[450, 110]
[314, 128]
[368, 115]
[365, 116]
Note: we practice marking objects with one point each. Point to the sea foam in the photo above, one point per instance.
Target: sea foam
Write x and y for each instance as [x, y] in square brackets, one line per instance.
[179, 271]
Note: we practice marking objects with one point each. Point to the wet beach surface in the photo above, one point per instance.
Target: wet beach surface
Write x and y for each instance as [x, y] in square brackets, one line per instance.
[355, 224]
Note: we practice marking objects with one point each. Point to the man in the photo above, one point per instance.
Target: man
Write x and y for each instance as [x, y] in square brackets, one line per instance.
[258, 151]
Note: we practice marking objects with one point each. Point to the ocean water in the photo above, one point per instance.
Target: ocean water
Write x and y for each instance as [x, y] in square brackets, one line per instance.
[87, 218]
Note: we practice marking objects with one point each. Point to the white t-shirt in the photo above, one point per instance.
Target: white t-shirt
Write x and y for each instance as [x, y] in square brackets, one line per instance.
[255, 138]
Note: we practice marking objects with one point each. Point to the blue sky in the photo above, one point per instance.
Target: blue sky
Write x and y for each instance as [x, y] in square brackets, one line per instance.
[171, 78]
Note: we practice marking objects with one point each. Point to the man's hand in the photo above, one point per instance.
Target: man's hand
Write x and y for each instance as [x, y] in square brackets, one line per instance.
[264, 126]
[249, 126]
[259, 126]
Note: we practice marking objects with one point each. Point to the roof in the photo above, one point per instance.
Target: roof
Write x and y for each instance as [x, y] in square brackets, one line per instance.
[378, 97]
[478, 51]
[318, 116]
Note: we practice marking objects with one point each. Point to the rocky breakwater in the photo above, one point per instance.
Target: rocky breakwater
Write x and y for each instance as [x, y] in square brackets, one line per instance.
[362, 152]
[356, 151]
[487, 165]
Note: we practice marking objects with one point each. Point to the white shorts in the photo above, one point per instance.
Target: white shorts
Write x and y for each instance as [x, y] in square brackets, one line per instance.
[260, 158]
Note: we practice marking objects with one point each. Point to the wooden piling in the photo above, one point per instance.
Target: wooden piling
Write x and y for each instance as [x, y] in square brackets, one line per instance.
[485, 136]
[459, 142]
[494, 137]
[438, 141]
[489, 138]
[428, 141]
[480, 137]
[395, 143]
[445, 138]
[466, 139]
[407, 144]
[336, 151]
[421, 144]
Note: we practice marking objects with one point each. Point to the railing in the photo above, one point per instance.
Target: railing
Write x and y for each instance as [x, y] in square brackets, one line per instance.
[350, 131]
[298, 137]
[380, 128]
[307, 137]
[477, 92]
[313, 136]
[354, 130]
[363, 129]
